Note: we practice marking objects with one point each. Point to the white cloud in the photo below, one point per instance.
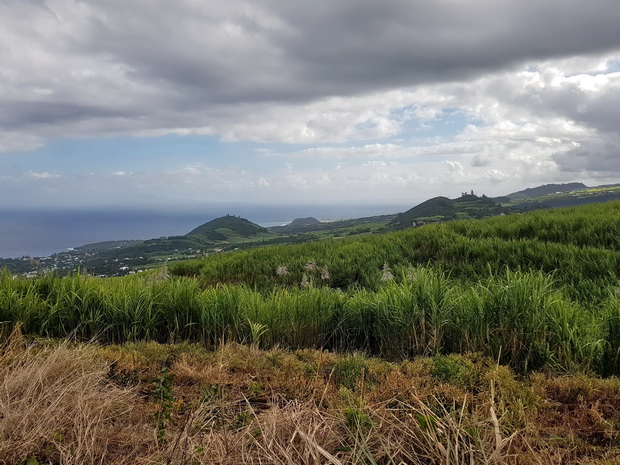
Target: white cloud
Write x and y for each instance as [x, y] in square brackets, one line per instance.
[41, 175]
[534, 88]
[262, 182]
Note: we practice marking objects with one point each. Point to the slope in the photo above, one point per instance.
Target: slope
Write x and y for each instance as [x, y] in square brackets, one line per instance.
[226, 227]
[440, 209]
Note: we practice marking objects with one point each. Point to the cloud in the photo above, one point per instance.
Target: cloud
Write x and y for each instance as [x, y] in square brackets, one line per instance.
[480, 161]
[384, 100]
[387, 151]
[241, 69]
[568, 119]
[600, 158]
[42, 175]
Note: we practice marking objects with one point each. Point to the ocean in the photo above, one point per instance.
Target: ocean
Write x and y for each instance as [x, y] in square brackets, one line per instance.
[43, 233]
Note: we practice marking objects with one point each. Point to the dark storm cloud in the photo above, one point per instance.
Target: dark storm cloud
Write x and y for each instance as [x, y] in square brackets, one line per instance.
[292, 51]
[131, 65]
[356, 44]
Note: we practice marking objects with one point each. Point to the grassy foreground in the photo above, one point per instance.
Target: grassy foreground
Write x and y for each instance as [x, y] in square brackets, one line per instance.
[149, 403]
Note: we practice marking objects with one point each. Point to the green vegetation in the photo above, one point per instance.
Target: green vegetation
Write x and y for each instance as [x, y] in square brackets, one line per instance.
[226, 226]
[578, 246]
[560, 195]
[489, 341]
[534, 291]
[439, 209]
[308, 221]
[547, 189]
[230, 233]
[336, 227]
[517, 318]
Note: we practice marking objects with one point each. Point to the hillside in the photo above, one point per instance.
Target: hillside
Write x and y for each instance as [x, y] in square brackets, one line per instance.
[336, 228]
[460, 280]
[221, 228]
[546, 189]
[579, 245]
[584, 196]
[439, 209]
[308, 221]
[498, 337]
[506, 287]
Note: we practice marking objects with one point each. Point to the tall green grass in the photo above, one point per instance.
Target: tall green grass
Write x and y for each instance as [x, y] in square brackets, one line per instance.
[519, 318]
[611, 317]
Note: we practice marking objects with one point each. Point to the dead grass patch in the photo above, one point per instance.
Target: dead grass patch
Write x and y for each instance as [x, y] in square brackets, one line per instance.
[57, 406]
[87, 404]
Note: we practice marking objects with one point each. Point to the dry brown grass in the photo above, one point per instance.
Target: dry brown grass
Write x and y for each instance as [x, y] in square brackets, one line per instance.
[84, 404]
[57, 406]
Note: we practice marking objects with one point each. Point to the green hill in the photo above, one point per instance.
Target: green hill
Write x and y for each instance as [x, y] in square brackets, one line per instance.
[224, 227]
[309, 221]
[559, 195]
[568, 199]
[439, 209]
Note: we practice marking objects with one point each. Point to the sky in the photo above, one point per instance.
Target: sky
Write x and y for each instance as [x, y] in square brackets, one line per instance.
[172, 104]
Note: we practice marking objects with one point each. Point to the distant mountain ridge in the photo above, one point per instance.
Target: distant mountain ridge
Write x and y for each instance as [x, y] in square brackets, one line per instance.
[546, 189]
[560, 195]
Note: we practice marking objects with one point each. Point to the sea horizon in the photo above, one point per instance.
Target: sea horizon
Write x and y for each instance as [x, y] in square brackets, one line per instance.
[41, 233]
